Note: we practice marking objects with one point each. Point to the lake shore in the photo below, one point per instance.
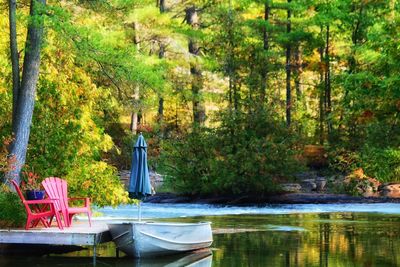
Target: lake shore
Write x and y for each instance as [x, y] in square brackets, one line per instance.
[290, 198]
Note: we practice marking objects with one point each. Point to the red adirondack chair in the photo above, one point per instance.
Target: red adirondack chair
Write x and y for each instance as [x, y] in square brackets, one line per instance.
[57, 188]
[38, 210]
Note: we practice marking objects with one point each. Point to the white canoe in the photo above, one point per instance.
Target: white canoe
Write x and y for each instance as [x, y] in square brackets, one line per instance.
[146, 239]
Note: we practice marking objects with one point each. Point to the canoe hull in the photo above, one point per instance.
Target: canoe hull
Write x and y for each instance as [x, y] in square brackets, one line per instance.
[146, 239]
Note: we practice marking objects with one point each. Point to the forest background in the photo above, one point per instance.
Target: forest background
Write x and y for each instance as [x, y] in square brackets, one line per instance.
[227, 93]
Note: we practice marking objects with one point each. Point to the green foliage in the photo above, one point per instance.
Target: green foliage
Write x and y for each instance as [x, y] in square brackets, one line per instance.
[97, 54]
[343, 160]
[382, 164]
[247, 154]
[12, 212]
[74, 106]
[99, 180]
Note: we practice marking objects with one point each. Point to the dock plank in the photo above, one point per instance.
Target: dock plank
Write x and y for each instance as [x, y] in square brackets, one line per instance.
[79, 235]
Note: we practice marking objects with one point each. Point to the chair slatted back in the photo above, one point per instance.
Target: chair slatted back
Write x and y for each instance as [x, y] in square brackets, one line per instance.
[57, 188]
[21, 196]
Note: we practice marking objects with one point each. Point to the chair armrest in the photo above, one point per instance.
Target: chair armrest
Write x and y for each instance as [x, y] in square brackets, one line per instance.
[41, 201]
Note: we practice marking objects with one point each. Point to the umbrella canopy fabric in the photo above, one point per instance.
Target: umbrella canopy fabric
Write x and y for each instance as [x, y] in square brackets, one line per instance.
[139, 182]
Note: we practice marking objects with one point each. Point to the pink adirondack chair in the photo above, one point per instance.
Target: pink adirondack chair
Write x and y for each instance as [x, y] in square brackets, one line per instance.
[57, 188]
[38, 210]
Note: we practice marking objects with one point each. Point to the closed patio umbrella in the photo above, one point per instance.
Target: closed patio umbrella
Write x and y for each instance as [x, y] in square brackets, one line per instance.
[139, 182]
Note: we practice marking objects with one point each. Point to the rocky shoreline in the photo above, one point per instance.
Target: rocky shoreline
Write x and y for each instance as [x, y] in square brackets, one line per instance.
[309, 188]
[290, 198]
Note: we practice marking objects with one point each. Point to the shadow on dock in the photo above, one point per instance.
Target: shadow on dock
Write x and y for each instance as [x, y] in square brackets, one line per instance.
[36, 249]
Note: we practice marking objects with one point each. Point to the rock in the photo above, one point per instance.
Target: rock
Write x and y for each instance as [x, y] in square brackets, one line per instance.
[167, 198]
[370, 189]
[293, 187]
[287, 198]
[124, 177]
[365, 186]
[156, 179]
[390, 190]
[308, 185]
[321, 183]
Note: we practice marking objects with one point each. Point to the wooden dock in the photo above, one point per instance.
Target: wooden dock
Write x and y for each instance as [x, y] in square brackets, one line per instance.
[80, 234]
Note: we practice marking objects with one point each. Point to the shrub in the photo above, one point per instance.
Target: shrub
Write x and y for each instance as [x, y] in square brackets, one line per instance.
[343, 160]
[12, 212]
[245, 154]
[99, 181]
[381, 163]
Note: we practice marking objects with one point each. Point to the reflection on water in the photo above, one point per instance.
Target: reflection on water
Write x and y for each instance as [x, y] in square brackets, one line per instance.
[302, 239]
[329, 240]
[284, 228]
[201, 258]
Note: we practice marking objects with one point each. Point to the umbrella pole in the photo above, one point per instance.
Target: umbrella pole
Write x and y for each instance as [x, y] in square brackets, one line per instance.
[140, 211]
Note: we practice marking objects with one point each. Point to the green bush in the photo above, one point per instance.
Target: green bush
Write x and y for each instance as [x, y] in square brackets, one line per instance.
[245, 154]
[12, 212]
[68, 139]
[381, 163]
[99, 181]
[343, 160]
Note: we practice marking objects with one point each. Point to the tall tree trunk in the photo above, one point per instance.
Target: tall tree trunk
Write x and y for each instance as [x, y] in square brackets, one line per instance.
[328, 105]
[160, 117]
[355, 37]
[297, 72]
[135, 112]
[160, 110]
[231, 65]
[321, 97]
[288, 70]
[27, 91]
[264, 70]
[161, 6]
[161, 55]
[199, 114]
[136, 94]
[14, 58]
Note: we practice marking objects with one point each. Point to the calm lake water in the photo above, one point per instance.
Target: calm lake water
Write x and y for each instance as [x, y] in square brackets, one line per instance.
[278, 235]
